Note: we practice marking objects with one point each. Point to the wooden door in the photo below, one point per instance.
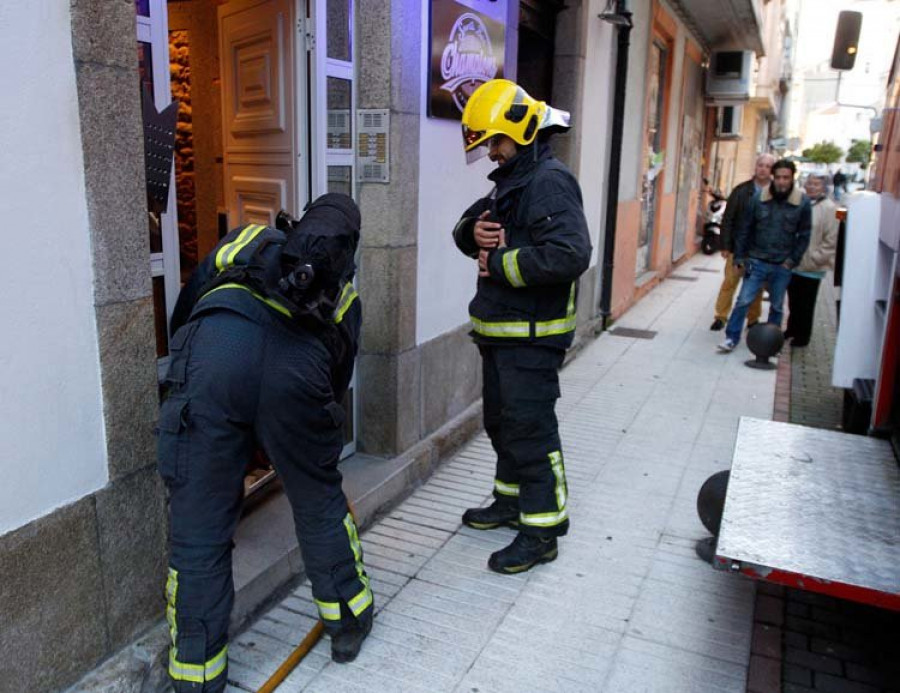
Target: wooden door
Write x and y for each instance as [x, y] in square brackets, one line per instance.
[259, 114]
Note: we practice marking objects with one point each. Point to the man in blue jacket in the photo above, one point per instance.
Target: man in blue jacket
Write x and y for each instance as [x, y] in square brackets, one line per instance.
[769, 242]
[531, 241]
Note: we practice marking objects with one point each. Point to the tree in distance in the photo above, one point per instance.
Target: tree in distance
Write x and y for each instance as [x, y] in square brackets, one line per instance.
[824, 153]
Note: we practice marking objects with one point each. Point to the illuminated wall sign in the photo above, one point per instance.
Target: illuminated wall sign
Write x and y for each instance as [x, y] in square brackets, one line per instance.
[468, 39]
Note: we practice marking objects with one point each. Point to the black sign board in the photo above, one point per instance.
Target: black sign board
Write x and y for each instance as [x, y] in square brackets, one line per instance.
[467, 48]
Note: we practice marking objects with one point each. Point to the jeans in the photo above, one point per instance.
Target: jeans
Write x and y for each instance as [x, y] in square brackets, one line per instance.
[756, 274]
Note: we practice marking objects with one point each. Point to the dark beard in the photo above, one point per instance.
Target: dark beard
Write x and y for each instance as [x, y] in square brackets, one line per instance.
[779, 196]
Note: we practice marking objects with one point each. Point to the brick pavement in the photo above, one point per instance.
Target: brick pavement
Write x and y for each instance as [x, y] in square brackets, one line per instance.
[812, 642]
[627, 607]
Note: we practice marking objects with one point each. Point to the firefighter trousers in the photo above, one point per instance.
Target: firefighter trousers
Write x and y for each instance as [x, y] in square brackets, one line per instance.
[520, 389]
[236, 383]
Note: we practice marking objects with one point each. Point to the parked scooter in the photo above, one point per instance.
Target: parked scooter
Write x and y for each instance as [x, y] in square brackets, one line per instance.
[712, 228]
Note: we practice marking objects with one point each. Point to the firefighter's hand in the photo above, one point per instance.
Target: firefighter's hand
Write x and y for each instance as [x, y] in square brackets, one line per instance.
[726, 254]
[487, 233]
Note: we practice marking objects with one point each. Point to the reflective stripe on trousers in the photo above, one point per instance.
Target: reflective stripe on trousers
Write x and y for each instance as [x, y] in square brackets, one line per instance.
[185, 671]
[551, 519]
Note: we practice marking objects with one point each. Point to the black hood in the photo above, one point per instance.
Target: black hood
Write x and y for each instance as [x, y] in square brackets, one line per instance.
[326, 236]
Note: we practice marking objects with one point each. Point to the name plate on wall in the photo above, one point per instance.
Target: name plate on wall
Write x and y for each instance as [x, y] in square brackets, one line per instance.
[468, 43]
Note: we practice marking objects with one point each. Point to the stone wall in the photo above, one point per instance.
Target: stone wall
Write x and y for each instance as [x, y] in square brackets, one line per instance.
[83, 581]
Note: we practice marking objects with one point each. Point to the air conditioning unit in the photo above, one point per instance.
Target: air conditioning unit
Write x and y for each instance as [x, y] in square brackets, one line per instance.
[728, 77]
[728, 122]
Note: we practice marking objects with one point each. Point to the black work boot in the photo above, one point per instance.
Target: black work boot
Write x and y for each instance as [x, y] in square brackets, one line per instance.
[346, 643]
[525, 552]
[497, 514]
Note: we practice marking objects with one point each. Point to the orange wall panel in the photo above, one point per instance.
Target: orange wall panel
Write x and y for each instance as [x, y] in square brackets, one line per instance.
[628, 221]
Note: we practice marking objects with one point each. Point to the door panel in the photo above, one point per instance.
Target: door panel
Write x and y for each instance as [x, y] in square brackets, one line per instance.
[258, 113]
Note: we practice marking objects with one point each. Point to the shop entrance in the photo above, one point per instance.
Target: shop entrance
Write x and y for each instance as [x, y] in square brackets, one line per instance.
[266, 94]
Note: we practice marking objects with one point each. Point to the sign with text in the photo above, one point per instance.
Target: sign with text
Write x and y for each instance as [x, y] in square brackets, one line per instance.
[468, 39]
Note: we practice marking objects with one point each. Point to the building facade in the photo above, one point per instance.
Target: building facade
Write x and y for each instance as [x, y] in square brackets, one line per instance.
[280, 101]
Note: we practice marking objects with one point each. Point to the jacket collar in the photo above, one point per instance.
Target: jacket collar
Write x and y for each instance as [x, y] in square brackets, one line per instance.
[517, 171]
[795, 198]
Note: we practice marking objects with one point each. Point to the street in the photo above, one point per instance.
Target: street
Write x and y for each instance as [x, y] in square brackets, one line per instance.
[627, 606]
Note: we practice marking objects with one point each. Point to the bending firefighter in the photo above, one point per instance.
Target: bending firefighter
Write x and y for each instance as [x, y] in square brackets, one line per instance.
[531, 241]
[265, 335]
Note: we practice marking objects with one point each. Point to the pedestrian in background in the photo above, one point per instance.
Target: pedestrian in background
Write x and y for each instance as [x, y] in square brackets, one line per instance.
[770, 241]
[531, 241]
[737, 204]
[817, 260]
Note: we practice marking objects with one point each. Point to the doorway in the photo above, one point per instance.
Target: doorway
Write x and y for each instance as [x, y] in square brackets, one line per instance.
[266, 91]
[657, 69]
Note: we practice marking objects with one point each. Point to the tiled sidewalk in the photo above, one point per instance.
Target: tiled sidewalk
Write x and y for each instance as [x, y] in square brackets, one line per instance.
[627, 607]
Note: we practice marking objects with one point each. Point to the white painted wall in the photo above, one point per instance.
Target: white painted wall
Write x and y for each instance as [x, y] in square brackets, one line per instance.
[51, 426]
[447, 186]
[596, 122]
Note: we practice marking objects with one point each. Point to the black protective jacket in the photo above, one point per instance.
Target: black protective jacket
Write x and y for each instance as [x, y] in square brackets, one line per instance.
[530, 295]
[735, 208]
[341, 339]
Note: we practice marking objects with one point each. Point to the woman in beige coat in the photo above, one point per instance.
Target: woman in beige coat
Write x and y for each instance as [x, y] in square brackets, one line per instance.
[817, 260]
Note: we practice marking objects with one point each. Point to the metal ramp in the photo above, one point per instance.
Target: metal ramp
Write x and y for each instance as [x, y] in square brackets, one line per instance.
[813, 509]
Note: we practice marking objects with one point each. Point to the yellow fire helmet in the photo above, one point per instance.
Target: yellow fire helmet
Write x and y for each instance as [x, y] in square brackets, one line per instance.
[501, 107]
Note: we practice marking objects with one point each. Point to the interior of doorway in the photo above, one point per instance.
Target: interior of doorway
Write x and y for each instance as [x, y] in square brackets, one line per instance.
[202, 211]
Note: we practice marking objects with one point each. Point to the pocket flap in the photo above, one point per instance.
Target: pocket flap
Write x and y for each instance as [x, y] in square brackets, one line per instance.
[173, 414]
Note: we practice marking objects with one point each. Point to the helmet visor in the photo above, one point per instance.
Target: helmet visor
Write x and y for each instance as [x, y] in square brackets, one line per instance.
[475, 143]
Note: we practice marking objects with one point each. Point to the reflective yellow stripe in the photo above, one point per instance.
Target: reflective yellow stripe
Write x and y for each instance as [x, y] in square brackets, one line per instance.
[506, 489]
[348, 295]
[542, 328]
[364, 599]
[198, 673]
[182, 671]
[171, 594]
[500, 329]
[329, 611]
[562, 492]
[544, 519]
[511, 268]
[268, 301]
[551, 327]
[361, 601]
[226, 253]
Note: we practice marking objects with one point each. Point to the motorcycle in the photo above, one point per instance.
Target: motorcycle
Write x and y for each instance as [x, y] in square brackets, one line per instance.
[712, 228]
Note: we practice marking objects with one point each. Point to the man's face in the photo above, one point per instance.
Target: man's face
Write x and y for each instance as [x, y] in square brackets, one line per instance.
[763, 172]
[814, 187]
[501, 149]
[783, 179]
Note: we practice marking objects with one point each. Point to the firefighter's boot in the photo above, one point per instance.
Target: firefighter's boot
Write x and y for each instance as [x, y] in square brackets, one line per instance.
[346, 643]
[525, 552]
[500, 513]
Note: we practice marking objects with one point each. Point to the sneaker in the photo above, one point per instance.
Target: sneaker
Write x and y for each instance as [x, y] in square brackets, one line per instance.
[727, 346]
[717, 325]
[497, 514]
[346, 643]
[525, 552]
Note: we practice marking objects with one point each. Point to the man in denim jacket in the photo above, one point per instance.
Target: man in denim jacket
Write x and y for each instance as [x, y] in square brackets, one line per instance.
[769, 242]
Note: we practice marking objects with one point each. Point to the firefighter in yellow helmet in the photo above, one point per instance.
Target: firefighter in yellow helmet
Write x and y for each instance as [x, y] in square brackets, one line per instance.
[531, 242]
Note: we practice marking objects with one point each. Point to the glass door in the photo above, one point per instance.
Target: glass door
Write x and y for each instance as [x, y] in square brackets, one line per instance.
[655, 155]
[332, 124]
